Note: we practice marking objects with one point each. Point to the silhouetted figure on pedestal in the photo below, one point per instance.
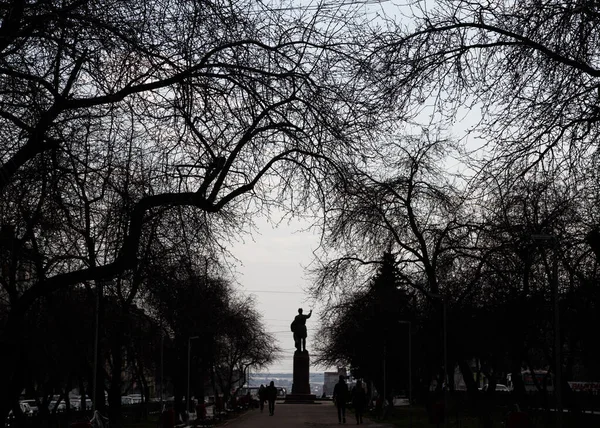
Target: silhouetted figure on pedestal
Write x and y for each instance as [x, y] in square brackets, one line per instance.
[299, 328]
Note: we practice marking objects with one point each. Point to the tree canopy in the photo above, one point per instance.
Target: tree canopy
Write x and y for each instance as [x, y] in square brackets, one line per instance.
[117, 115]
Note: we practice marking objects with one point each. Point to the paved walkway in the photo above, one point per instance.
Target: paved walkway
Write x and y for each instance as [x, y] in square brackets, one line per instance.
[323, 414]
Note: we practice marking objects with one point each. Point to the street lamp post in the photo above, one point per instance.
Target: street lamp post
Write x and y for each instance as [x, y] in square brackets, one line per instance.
[557, 345]
[409, 360]
[99, 297]
[409, 369]
[162, 364]
[443, 300]
[384, 376]
[188, 372]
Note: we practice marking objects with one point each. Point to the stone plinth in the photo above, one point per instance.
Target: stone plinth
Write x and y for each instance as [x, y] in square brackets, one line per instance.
[300, 386]
[300, 383]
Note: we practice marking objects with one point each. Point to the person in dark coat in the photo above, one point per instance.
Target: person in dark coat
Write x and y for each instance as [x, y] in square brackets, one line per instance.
[262, 397]
[271, 397]
[340, 396]
[359, 401]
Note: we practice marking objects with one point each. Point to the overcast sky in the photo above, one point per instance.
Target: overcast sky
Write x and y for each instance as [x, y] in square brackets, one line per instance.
[271, 267]
[271, 263]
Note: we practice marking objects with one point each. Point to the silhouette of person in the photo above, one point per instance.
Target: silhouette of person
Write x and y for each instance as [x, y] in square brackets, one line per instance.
[271, 396]
[262, 396]
[299, 329]
[340, 396]
[359, 401]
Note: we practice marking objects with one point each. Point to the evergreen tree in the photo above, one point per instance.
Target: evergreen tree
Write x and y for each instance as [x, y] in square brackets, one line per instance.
[364, 331]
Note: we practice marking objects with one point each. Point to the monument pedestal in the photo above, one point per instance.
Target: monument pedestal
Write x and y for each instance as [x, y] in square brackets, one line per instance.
[300, 386]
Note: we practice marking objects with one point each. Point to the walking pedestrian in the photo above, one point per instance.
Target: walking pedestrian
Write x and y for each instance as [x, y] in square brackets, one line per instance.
[262, 397]
[248, 401]
[271, 396]
[340, 396]
[201, 410]
[359, 401]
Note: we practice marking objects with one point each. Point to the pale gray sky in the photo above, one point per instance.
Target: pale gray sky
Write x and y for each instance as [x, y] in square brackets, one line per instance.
[271, 263]
[271, 267]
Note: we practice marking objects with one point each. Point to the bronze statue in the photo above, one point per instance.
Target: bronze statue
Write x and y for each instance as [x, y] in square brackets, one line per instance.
[299, 328]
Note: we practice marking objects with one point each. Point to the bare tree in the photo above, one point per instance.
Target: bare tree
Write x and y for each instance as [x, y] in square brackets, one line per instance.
[219, 102]
[404, 205]
[525, 72]
[244, 344]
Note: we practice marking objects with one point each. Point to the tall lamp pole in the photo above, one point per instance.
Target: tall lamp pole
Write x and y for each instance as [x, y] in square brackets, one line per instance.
[384, 376]
[557, 354]
[409, 368]
[187, 397]
[557, 344]
[409, 360]
[95, 387]
[162, 364]
[443, 300]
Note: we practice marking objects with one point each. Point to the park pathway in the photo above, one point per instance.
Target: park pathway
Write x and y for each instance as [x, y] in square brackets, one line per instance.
[323, 414]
